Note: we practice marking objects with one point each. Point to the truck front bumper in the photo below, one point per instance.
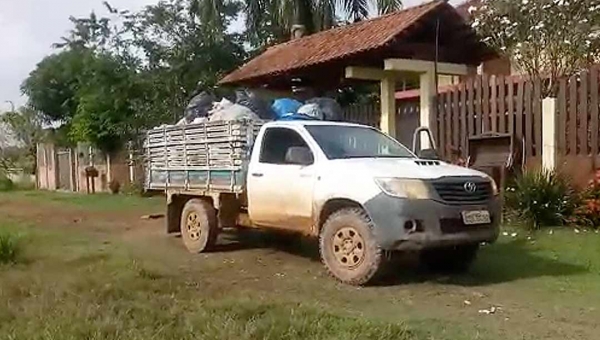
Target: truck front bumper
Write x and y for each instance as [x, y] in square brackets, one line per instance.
[430, 223]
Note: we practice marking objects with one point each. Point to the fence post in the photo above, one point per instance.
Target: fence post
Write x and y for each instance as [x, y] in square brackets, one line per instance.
[549, 134]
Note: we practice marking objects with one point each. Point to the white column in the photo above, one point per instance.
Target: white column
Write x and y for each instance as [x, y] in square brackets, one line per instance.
[427, 109]
[388, 106]
[549, 134]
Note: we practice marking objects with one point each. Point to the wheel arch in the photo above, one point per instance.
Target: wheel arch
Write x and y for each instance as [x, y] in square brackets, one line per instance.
[335, 204]
[175, 204]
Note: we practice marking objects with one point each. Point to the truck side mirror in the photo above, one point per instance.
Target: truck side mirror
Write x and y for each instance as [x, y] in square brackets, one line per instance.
[299, 155]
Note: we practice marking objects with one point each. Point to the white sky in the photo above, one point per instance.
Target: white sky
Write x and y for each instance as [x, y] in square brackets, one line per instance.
[28, 28]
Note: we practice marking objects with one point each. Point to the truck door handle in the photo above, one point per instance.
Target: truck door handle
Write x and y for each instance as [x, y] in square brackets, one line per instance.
[257, 174]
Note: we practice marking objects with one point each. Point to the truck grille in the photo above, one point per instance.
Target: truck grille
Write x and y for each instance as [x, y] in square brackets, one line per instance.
[463, 189]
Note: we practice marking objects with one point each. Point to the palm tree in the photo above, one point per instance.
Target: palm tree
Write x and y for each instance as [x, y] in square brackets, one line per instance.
[269, 21]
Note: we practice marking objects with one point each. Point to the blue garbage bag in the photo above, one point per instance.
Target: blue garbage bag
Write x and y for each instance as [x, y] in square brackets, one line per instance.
[285, 106]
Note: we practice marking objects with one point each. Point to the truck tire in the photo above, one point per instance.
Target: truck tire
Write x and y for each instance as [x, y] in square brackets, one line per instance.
[455, 259]
[348, 247]
[199, 227]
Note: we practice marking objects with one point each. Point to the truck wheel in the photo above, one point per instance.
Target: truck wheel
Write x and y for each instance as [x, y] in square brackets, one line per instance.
[348, 247]
[199, 228]
[455, 259]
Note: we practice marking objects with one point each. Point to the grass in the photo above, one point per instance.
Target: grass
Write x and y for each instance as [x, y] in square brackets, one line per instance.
[75, 288]
[108, 284]
[10, 247]
[101, 202]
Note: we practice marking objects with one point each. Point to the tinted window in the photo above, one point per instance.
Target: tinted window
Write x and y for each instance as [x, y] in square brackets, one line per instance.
[276, 143]
[338, 141]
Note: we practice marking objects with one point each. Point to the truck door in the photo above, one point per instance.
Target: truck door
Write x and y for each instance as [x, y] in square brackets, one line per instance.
[280, 187]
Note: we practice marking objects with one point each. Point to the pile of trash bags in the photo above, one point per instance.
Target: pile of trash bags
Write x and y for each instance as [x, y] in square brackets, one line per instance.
[204, 107]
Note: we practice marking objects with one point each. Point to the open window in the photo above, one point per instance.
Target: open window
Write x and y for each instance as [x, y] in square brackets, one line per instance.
[285, 146]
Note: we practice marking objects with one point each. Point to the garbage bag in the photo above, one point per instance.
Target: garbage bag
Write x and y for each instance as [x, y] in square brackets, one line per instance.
[312, 111]
[199, 106]
[285, 106]
[233, 112]
[331, 110]
[253, 102]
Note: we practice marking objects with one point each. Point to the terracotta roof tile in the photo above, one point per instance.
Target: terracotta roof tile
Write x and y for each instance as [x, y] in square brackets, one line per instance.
[331, 44]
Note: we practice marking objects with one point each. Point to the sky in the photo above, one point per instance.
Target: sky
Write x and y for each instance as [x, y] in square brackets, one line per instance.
[28, 28]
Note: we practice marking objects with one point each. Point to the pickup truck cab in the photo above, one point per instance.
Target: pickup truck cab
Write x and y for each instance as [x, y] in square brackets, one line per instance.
[362, 193]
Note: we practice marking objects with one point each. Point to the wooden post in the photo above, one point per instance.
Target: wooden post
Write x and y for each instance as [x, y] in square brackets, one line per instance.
[388, 106]
[549, 135]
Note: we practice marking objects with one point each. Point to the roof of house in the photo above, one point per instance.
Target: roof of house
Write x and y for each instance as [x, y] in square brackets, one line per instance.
[336, 44]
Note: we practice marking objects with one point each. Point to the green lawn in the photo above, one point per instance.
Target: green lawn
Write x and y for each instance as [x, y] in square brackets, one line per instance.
[73, 282]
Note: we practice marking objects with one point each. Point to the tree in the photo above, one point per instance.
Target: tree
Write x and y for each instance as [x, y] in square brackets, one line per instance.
[117, 75]
[52, 87]
[26, 128]
[106, 114]
[271, 21]
[545, 38]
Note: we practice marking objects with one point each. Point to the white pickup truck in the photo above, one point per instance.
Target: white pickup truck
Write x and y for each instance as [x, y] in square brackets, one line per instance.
[362, 193]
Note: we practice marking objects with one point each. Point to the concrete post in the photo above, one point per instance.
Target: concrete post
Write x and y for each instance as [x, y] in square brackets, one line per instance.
[427, 109]
[549, 134]
[388, 106]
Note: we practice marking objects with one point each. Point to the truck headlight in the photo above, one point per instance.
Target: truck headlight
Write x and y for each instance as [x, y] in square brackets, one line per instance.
[404, 188]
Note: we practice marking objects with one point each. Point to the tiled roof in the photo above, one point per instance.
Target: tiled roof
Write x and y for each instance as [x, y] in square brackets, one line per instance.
[332, 44]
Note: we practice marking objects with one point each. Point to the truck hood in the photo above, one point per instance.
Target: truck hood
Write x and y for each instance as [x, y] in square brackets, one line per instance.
[400, 168]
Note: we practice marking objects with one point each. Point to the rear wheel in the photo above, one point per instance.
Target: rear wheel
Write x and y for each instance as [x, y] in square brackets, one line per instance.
[348, 247]
[199, 227]
[455, 259]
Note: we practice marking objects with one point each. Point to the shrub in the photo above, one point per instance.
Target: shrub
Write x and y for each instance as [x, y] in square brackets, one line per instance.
[588, 211]
[541, 198]
[10, 248]
[132, 189]
[5, 183]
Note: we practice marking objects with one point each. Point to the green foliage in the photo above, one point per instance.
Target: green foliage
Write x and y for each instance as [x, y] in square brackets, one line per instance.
[545, 38]
[52, 87]
[132, 189]
[588, 212]
[10, 247]
[541, 199]
[26, 126]
[5, 183]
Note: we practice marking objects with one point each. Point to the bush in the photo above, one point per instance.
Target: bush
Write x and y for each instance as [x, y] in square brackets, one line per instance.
[588, 211]
[541, 198]
[10, 248]
[5, 183]
[132, 189]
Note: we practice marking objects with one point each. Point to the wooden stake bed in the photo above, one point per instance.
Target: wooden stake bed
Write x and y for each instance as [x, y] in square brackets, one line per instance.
[205, 156]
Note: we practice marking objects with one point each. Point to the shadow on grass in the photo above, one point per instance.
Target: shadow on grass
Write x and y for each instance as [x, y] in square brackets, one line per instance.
[497, 263]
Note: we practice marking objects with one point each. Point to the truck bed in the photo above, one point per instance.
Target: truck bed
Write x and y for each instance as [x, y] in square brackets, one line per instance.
[206, 156]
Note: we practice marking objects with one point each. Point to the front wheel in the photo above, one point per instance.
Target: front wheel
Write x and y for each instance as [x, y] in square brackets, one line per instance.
[454, 259]
[348, 247]
[199, 227]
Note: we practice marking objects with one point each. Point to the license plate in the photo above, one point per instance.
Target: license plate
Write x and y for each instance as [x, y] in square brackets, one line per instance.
[476, 217]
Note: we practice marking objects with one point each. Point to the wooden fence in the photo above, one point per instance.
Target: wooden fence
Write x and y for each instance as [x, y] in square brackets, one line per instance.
[490, 104]
[577, 109]
[510, 105]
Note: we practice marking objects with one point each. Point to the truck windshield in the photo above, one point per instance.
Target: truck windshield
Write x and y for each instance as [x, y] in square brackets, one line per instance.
[340, 142]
